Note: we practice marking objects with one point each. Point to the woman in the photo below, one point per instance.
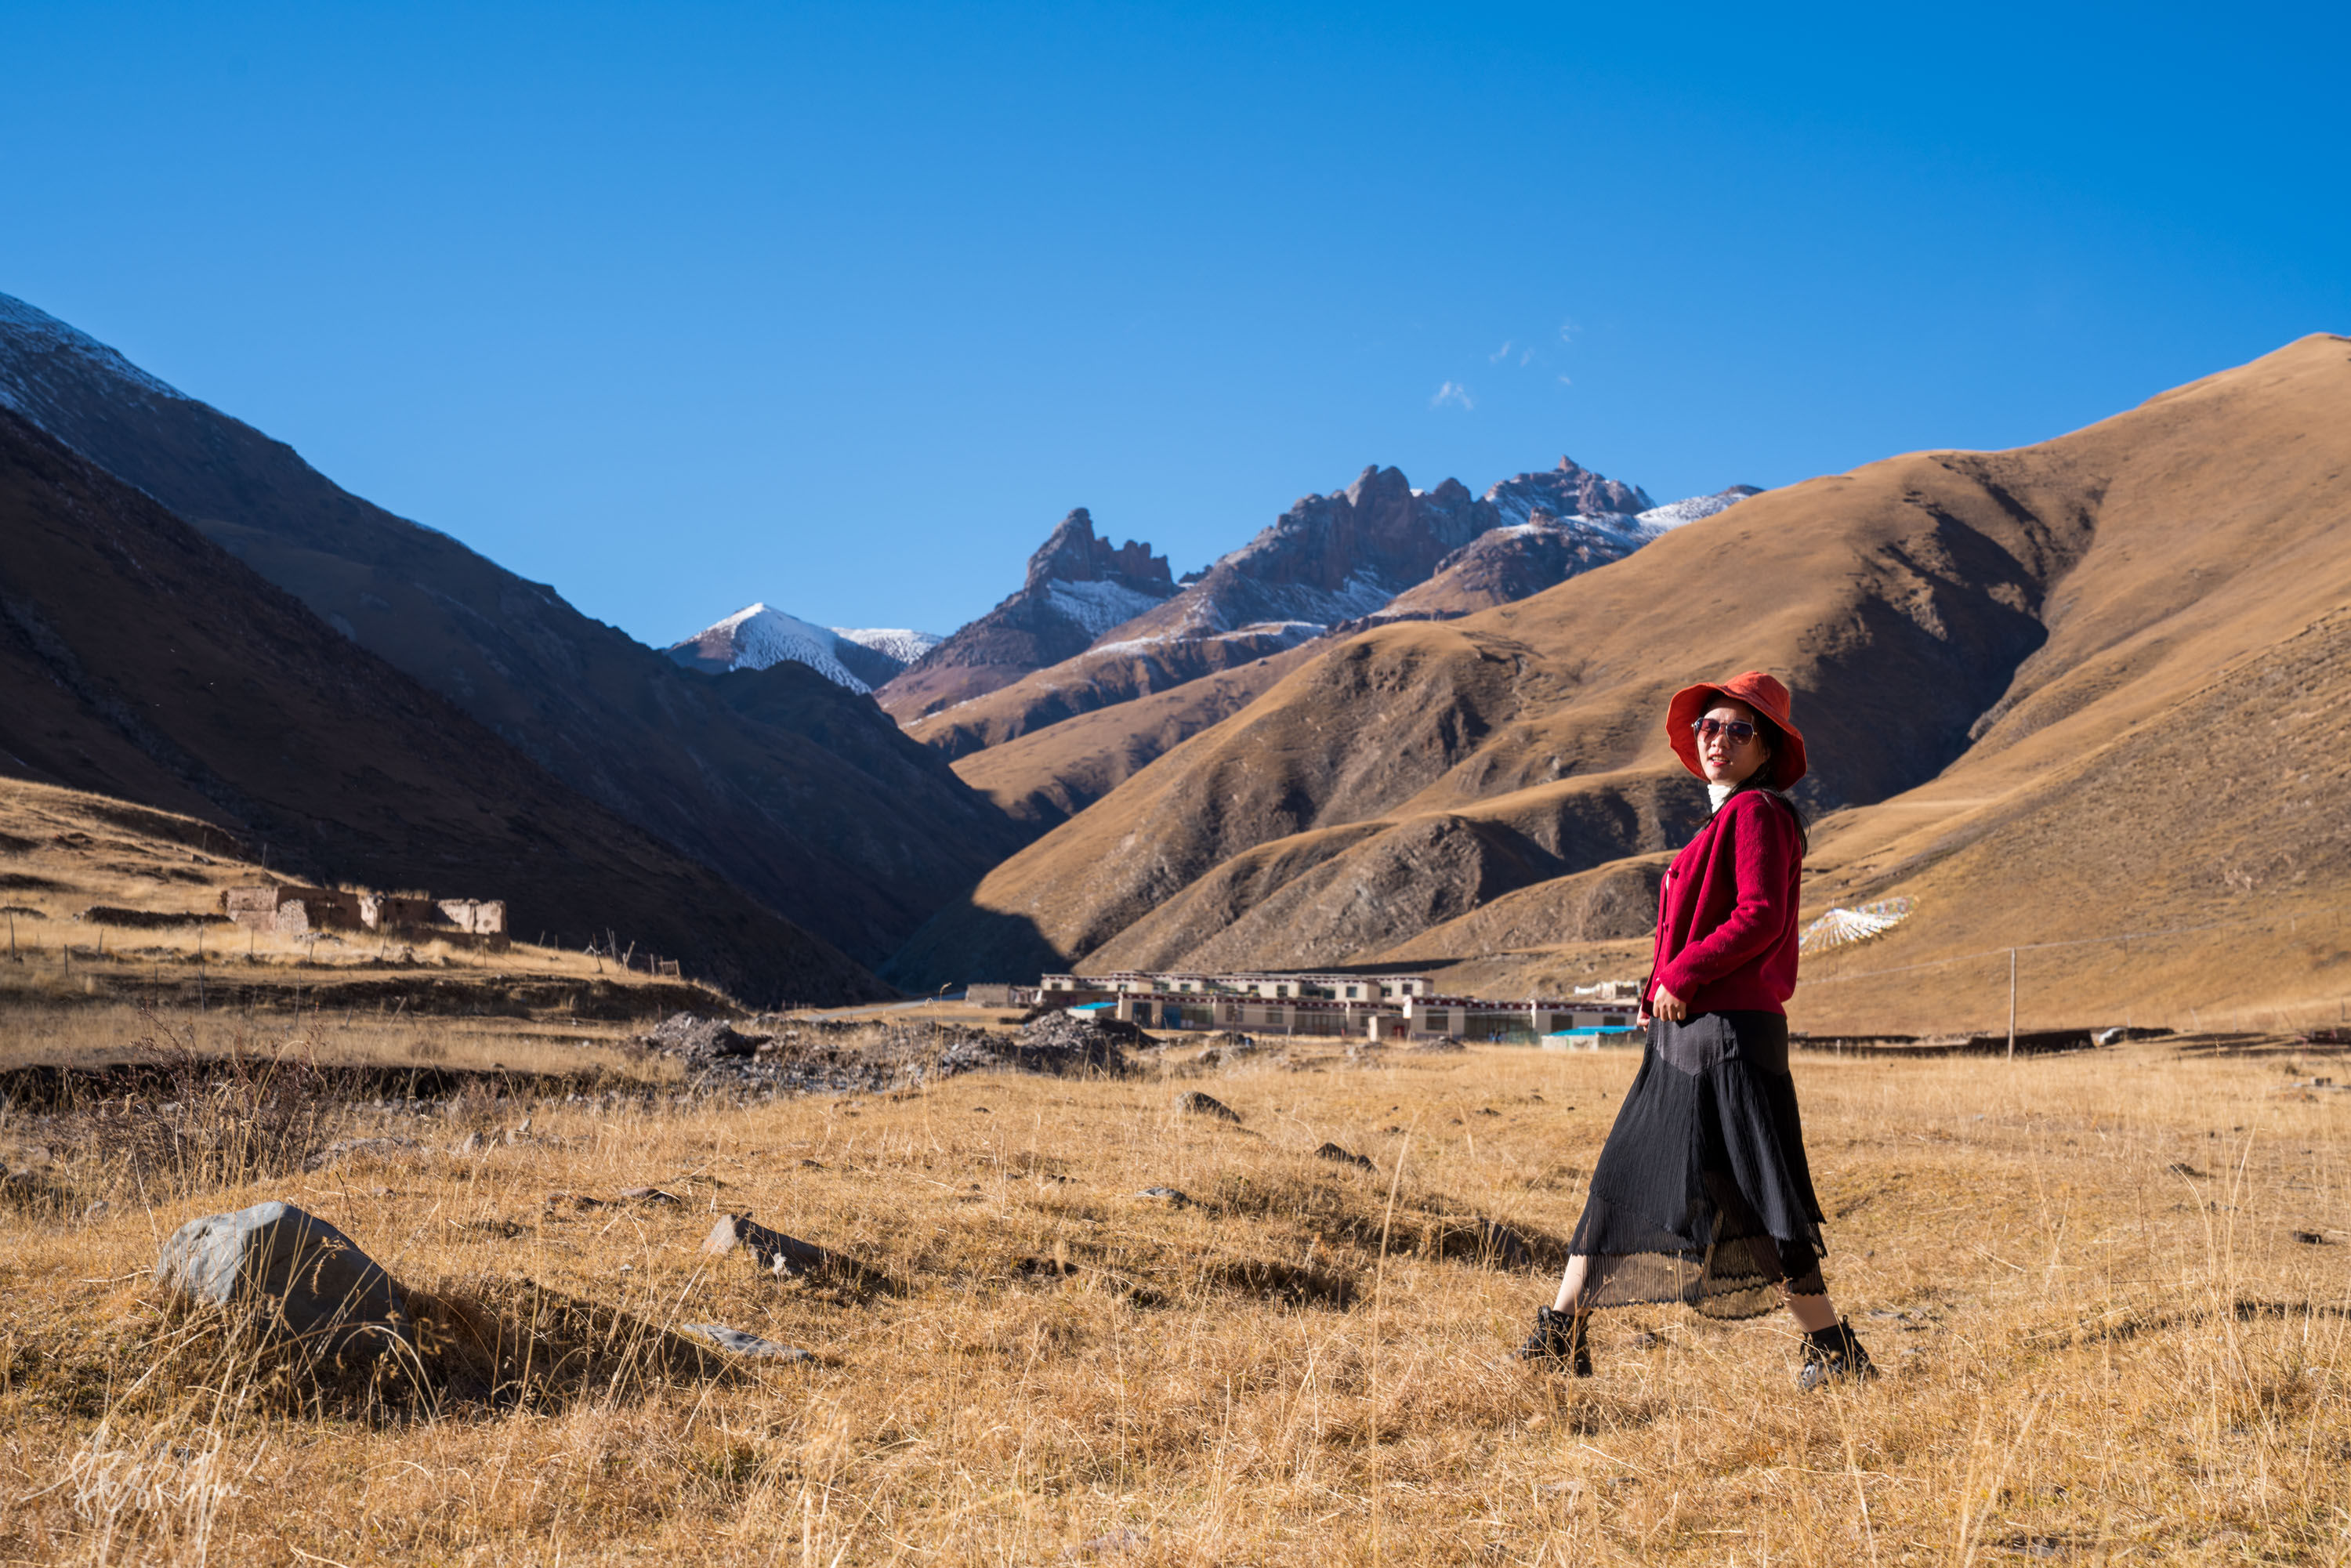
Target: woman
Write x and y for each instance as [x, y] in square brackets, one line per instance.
[1702, 1193]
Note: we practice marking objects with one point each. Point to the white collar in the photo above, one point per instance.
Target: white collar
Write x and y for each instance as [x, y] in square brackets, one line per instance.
[1716, 794]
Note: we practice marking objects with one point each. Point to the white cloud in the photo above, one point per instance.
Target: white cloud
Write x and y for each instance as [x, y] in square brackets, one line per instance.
[1526, 356]
[1453, 393]
[1567, 330]
[1565, 382]
[1499, 355]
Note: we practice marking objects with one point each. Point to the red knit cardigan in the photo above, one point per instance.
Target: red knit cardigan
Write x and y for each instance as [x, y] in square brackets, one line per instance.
[1726, 913]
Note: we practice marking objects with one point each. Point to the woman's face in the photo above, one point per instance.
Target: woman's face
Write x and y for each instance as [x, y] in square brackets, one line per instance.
[1727, 759]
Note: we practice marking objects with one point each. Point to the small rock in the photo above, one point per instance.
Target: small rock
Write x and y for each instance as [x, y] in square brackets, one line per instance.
[1195, 1104]
[1333, 1152]
[784, 1256]
[1650, 1339]
[313, 1278]
[2311, 1237]
[1166, 1195]
[647, 1195]
[747, 1344]
[573, 1200]
[97, 1210]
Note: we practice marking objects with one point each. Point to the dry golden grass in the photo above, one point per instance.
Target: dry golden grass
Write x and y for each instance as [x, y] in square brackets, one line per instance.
[2103, 1342]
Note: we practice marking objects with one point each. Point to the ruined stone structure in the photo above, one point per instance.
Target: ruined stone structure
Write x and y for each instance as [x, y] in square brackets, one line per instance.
[287, 909]
[292, 911]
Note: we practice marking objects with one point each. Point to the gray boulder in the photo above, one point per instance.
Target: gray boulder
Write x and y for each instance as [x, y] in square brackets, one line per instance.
[309, 1276]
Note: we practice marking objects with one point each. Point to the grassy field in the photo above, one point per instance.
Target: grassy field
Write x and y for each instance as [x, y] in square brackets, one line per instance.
[2103, 1340]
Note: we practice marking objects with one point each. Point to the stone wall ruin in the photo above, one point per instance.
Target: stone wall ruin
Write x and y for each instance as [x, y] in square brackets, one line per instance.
[292, 910]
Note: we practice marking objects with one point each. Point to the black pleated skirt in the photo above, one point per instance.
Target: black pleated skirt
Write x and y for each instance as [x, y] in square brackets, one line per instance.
[1702, 1193]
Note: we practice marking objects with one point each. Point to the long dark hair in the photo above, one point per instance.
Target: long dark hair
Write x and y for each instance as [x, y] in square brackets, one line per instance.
[1757, 781]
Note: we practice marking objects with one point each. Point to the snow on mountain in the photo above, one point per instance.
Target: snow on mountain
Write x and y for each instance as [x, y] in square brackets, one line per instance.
[857, 658]
[758, 637]
[1569, 490]
[42, 359]
[892, 642]
[1098, 606]
[1674, 514]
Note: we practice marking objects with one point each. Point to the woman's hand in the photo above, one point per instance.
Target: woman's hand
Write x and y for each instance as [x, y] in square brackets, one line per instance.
[1667, 1005]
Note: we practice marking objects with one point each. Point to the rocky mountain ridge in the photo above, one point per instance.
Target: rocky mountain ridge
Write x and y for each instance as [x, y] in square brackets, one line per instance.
[1365, 539]
[1077, 587]
[1521, 559]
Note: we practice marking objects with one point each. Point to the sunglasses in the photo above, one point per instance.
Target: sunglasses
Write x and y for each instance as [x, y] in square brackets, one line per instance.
[1740, 731]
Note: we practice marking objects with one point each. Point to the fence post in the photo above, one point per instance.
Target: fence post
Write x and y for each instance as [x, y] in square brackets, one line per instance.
[2012, 1004]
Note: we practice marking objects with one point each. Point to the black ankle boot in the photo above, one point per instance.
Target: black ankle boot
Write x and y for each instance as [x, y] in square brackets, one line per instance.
[1831, 1355]
[1559, 1337]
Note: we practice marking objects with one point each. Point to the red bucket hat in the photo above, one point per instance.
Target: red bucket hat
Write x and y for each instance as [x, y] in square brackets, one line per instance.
[1758, 691]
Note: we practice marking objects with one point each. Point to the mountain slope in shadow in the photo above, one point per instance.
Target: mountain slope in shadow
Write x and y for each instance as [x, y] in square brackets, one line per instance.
[138, 660]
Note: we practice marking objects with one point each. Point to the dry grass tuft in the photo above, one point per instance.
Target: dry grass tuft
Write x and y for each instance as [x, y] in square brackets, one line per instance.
[193, 1123]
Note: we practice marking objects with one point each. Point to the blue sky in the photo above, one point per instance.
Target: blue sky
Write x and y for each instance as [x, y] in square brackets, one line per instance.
[842, 306]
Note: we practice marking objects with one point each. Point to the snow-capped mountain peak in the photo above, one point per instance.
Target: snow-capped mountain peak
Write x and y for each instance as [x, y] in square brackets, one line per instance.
[760, 636]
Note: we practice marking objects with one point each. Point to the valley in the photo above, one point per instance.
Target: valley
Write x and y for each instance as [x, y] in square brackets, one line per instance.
[696, 1206]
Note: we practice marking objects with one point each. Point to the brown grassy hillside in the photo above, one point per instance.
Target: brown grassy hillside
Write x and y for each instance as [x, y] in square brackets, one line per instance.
[1047, 775]
[137, 660]
[1100, 677]
[1987, 650]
